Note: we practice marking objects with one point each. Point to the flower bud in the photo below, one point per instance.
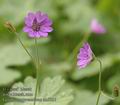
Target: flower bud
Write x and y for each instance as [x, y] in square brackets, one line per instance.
[10, 26]
[116, 91]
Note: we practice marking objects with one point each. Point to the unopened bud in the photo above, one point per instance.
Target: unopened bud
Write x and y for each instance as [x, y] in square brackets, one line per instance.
[116, 91]
[10, 26]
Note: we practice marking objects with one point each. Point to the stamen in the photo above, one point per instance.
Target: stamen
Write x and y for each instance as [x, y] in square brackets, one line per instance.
[36, 25]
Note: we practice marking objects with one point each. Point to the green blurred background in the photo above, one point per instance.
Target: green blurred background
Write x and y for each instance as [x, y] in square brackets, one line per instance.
[71, 20]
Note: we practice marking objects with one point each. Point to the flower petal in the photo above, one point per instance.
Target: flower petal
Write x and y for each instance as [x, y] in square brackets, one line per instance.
[46, 22]
[40, 17]
[85, 56]
[46, 29]
[31, 34]
[29, 19]
[43, 34]
[26, 29]
[96, 27]
[82, 63]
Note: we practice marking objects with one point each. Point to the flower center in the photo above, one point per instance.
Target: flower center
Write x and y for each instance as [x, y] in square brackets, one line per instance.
[36, 25]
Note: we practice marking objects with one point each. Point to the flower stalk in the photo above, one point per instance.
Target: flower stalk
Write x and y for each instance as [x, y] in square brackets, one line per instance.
[100, 81]
[24, 46]
[100, 78]
[37, 71]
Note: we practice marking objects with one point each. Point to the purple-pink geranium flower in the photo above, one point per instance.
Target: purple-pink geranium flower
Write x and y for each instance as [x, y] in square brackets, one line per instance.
[85, 56]
[97, 28]
[37, 25]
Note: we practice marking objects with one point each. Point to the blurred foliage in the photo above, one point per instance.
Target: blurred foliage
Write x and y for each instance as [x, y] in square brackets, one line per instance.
[71, 21]
[91, 97]
[11, 55]
[53, 88]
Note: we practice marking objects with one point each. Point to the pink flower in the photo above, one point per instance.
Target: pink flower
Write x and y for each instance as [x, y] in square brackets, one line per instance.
[97, 28]
[37, 25]
[85, 56]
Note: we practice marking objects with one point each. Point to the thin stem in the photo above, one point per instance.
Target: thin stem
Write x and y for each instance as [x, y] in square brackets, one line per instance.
[98, 98]
[37, 52]
[37, 62]
[37, 72]
[100, 77]
[110, 97]
[24, 46]
[100, 82]
[36, 90]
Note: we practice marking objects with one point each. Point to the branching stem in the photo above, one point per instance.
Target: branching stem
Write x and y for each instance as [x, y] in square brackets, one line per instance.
[36, 62]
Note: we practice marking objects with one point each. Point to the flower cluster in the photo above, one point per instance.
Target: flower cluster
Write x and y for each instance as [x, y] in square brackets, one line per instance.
[39, 25]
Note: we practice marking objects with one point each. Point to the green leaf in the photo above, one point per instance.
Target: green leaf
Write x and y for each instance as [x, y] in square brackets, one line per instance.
[84, 97]
[11, 55]
[49, 88]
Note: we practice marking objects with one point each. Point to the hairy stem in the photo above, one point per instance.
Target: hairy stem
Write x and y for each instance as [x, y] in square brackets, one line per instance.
[37, 72]
[36, 62]
[100, 75]
[100, 81]
[24, 46]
